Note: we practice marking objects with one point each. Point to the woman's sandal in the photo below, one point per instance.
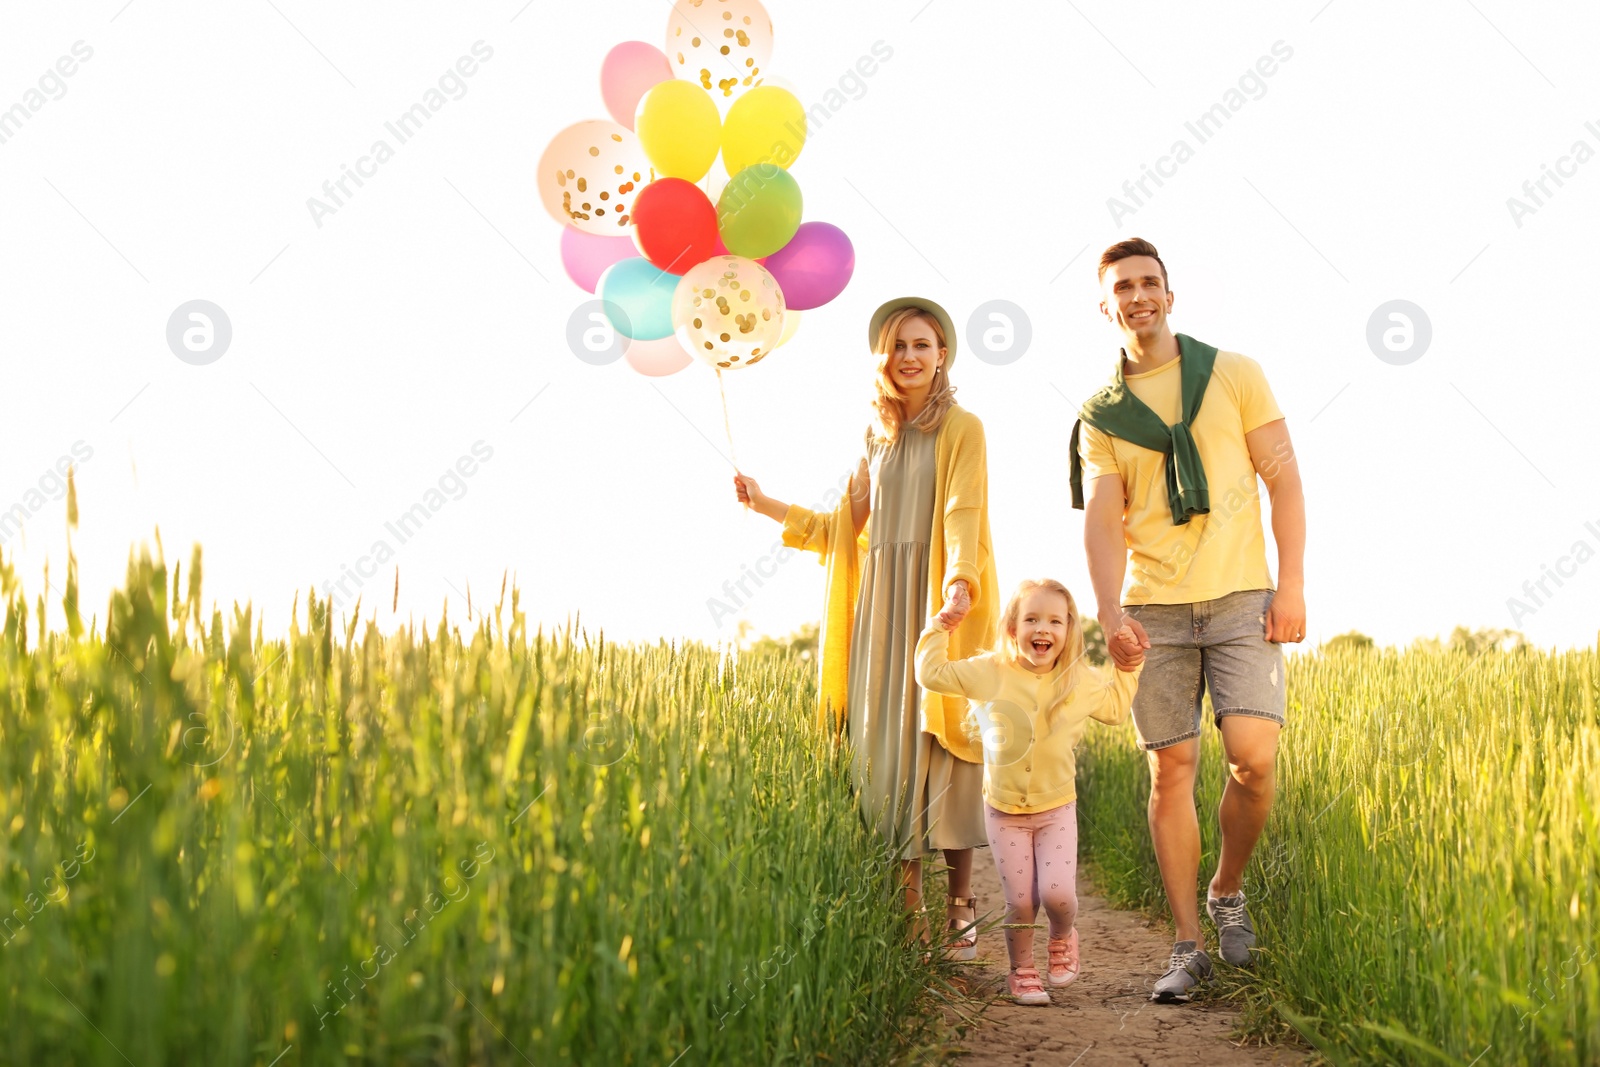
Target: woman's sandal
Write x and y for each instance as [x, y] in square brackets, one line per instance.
[1064, 959]
[1026, 988]
[965, 943]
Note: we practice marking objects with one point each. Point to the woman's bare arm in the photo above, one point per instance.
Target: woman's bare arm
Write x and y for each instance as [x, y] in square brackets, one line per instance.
[750, 494]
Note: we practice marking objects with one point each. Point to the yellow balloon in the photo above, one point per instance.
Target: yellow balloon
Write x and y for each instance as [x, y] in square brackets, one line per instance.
[791, 326]
[765, 125]
[680, 129]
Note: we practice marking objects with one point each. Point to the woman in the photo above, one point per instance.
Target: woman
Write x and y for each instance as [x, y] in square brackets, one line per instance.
[923, 483]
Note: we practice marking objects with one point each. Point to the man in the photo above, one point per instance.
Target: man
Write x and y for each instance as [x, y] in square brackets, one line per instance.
[1170, 452]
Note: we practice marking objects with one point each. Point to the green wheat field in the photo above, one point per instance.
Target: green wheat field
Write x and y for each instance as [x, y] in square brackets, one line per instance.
[484, 845]
[480, 845]
[1426, 886]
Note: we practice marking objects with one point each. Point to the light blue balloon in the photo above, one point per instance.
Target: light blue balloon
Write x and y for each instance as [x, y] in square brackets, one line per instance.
[644, 293]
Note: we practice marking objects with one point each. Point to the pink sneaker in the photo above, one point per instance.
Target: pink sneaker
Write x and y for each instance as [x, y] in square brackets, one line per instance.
[1025, 986]
[1064, 959]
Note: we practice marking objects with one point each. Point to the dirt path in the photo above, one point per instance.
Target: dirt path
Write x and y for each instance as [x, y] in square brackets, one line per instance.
[1105, 1017]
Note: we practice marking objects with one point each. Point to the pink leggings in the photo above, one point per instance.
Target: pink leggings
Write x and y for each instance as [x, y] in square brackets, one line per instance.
[1037, 856]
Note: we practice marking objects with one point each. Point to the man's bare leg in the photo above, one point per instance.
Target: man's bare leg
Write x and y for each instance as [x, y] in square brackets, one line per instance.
[1175, 832]
[1252, 747]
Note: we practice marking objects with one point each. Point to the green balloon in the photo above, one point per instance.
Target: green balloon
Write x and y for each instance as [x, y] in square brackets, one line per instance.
[759, 210]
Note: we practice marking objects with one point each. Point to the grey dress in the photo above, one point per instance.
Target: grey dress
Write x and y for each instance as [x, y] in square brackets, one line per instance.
[912, 791]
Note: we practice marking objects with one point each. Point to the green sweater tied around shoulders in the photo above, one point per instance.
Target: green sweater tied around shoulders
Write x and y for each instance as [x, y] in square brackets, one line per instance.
[1116, 411]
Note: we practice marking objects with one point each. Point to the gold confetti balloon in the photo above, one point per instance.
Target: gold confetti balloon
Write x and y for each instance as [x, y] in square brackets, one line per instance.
[728, 312]
[721, 45]
[590, 175]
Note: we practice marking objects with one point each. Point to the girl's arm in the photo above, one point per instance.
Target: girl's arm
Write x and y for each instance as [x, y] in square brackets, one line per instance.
[976, 678]
[1114, 701]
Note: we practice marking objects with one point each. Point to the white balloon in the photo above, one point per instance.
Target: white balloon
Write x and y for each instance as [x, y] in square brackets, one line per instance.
[590, 174]
[728, 312]
[721, 45]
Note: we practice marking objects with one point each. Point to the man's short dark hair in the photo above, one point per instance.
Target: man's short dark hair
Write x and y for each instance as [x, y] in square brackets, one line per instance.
[1133, 246]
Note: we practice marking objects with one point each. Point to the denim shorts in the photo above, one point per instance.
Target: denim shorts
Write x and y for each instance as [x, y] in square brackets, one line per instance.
[1221, 643]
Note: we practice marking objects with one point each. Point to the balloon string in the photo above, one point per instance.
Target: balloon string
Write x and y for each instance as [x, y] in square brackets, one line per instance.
[726, 427]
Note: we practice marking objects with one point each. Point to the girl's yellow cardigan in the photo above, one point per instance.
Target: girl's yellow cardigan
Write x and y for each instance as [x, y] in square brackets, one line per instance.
[959, 547]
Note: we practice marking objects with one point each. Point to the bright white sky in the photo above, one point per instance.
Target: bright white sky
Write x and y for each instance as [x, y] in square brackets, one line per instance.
[371, 353]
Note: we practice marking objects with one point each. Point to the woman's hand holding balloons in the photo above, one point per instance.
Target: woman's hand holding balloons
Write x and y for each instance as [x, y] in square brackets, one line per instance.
[750, 495]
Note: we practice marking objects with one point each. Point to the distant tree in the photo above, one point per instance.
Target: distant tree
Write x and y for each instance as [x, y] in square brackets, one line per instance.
[1094, 642]
[1354, 641]
[1474, 642]
[801, 643]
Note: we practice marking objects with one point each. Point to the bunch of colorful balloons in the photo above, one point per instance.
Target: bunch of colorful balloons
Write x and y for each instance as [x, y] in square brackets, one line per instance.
[689, 263]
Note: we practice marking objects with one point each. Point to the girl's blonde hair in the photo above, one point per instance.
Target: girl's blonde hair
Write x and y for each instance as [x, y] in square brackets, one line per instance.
[1010, 649]
[889, 405]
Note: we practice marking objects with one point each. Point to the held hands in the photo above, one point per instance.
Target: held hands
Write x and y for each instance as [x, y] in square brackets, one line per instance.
[1126, 639]
[1129, 653]
[957, 603]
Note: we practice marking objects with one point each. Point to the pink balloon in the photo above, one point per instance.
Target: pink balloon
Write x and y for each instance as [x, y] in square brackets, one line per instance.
[630, 70]
[586, 256]
[814, 267]
[658, 358]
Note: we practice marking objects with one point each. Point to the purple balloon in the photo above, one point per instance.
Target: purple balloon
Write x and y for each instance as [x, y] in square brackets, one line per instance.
[814, 267]
[586, 255]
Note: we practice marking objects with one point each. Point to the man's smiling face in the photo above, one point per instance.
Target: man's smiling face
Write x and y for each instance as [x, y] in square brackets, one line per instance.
[1134, 297]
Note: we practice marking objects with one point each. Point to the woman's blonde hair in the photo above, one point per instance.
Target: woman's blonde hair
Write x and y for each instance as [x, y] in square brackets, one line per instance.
[889, 404]
[1010, 649]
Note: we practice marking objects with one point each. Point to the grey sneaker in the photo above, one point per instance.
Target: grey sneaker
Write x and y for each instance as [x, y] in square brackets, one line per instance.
[1236, 934]
[1188, 967]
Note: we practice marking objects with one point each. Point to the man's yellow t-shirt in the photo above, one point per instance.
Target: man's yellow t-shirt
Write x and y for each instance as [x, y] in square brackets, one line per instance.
[1215, 554]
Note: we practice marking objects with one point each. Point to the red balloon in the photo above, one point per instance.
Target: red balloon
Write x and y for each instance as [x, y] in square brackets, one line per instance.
[675, 225]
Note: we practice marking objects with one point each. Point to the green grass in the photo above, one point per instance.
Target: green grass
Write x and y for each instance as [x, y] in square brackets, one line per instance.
[478, 845]
[1425, 890]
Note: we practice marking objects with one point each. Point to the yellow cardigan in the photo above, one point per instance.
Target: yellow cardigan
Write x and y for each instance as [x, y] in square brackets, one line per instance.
[1029, 764]
[959, 547]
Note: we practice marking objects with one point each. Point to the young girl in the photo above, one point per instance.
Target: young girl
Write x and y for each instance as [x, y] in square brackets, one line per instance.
[1032, 700]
